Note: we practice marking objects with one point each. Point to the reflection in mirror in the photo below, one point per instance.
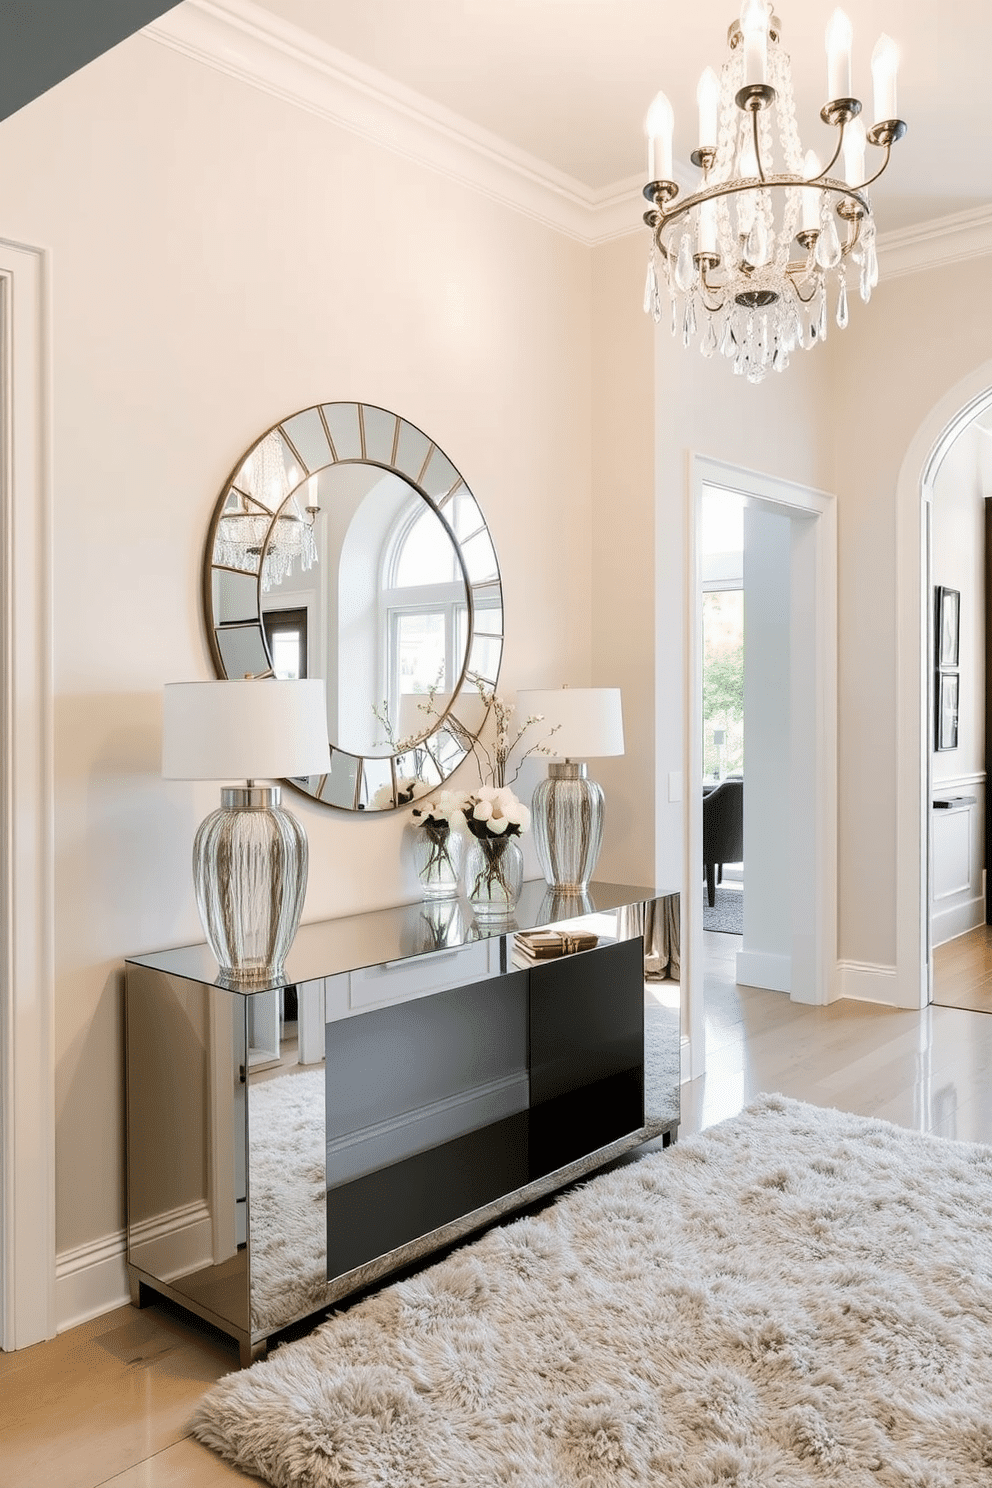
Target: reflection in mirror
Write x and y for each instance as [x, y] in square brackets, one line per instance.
[347, 546]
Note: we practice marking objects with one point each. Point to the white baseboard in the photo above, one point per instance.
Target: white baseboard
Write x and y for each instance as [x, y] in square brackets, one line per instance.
[863, 981]
[89, 1280]
[92, 1279]
[764, 969]
[948, 924]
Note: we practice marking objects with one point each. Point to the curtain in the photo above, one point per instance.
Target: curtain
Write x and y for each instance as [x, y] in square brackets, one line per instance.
[658, 921]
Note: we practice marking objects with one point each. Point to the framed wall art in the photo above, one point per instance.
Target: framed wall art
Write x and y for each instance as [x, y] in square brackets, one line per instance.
[947, 625]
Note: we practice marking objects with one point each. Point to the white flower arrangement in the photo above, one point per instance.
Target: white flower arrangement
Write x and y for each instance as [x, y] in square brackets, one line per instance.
[448, 807]
[406, 789]
[494, 811]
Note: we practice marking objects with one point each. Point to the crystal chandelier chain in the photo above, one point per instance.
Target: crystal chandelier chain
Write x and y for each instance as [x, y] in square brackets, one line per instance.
[752, 258]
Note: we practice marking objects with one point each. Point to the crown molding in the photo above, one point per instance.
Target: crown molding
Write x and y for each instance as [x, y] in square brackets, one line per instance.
[936, 244]
[247, 42]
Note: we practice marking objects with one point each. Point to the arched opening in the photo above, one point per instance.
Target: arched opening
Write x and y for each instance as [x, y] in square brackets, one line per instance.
[936, 435]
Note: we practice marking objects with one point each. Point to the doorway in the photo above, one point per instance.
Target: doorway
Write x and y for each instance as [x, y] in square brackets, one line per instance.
[788, 552]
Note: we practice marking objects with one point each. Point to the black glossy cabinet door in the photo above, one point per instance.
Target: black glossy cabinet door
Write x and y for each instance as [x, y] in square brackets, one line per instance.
[562, 1045]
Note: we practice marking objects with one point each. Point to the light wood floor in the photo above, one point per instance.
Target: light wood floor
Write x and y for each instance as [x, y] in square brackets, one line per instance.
[962, 971]
[107, 1403]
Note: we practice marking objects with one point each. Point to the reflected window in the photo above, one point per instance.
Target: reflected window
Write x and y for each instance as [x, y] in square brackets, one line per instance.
[286, 635]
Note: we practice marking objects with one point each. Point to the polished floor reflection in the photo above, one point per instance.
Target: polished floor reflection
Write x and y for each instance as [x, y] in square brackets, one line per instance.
[107, 1403]
[931, 1071]
[962, 971]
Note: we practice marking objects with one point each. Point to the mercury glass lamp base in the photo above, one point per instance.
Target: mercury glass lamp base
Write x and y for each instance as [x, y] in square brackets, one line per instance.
[567, 816]
[250, 875]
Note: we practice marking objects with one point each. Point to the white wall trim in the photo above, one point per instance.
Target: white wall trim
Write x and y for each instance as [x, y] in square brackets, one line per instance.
[764, 969]
[913, 721]
[946, 240]
[959, 782]
[90, 1280]
[27, 998]
[864, 981]
[958, 919]
[245, 41]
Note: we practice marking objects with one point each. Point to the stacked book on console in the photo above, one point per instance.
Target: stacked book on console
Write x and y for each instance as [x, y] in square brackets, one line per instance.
[545, 945]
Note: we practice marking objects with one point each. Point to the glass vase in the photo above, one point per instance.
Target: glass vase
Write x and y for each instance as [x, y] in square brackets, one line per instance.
[437, 856]
[494, 875]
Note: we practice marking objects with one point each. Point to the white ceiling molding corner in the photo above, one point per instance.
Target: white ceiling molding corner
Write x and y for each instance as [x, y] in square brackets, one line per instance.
[250, 43]
[930, 245]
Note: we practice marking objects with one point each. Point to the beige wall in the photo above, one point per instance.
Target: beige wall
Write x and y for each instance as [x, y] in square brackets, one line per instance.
[219, 259]
[623, 536]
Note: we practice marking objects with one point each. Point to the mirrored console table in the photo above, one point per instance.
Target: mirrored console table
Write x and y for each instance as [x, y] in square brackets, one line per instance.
[444, 1077]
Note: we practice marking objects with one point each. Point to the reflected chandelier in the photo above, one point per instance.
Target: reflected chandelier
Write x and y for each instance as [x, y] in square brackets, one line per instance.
[264, 528]
[753, 261]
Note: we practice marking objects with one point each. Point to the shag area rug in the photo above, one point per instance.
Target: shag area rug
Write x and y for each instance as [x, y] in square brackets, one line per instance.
[727, 914]
[794, 1297]
[288, 1197]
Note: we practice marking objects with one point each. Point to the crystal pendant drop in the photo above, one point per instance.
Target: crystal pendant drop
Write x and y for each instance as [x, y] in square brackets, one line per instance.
[688, 322]
[864, 278]
[792, 334]
[821, 320]
[728, 342]
[651, 287]
[708, 344]
[685, 269]
[828, 249]
[842, 304]
[756, 247]
[675, 316]
[872, 261]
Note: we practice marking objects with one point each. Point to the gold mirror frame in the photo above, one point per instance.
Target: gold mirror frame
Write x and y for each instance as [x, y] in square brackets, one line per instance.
[313, 440]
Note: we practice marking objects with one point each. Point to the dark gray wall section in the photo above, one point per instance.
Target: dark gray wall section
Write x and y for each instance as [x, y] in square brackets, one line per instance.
[44, 41]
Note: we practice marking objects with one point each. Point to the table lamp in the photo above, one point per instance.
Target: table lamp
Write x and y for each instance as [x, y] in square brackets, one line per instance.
[249, 856]
[568, 810]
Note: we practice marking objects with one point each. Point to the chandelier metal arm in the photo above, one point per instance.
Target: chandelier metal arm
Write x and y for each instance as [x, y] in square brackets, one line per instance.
[247, 497]
[881, 169]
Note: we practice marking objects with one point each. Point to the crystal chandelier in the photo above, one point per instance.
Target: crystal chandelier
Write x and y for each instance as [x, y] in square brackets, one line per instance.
[757, 259]
[265, 526]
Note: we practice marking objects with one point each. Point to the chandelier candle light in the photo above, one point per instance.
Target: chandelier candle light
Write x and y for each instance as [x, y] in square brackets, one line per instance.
[753, 261]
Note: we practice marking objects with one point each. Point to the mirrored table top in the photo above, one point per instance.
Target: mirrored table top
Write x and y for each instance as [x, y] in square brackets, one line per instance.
[330, 947]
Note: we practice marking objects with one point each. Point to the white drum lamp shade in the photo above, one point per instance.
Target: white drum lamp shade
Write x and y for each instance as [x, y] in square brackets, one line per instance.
[568, 807]
[250, 856]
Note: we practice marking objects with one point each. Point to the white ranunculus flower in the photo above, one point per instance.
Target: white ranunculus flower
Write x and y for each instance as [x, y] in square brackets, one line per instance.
[523, 820]
[482, 810]
[498, 825]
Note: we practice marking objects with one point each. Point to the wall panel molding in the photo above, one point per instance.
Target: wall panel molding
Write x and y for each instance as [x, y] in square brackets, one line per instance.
[27, 979]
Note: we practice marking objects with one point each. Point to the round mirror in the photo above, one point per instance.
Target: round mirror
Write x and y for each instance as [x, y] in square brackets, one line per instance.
[345, 545]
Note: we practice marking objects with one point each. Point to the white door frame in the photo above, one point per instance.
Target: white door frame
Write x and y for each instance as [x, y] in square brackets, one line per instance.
[27, 1065]
[913, 684]
[819, 504]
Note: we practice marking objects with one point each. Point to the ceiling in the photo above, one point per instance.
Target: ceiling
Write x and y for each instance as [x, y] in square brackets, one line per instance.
[569, 81]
